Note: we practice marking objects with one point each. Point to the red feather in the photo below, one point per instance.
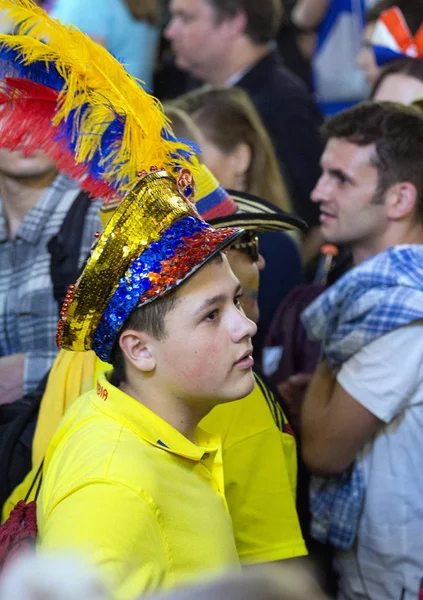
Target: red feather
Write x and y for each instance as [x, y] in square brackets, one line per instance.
[26, 113]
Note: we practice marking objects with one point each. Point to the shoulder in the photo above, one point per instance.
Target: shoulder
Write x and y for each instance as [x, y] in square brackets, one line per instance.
[242, 420]
[373, 377]
[270, 75]
[91, 446]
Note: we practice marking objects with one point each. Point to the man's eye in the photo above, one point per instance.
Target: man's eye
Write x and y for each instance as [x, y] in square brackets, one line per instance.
[237, 301]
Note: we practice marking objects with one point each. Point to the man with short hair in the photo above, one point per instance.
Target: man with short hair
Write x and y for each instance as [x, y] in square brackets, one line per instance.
[233, 43]
[361, 418]
[34, 202]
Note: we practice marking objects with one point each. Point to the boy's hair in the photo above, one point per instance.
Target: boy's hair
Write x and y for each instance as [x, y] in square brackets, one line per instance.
[397, 133]
[149, 318]
[263, 16]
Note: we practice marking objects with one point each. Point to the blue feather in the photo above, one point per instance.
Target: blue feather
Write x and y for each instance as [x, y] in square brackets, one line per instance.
[12, 65]
[179, 152]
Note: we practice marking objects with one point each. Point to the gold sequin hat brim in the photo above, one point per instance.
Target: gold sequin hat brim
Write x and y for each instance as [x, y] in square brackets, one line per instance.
[152, 242]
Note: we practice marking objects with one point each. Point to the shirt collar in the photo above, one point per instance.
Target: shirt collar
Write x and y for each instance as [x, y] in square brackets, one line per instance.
[236, 77]
[31, 228]
[152, 428]
[233, 79]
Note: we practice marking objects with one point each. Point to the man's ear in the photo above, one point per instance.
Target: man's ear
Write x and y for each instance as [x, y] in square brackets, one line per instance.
[135, 346]
[236, 24]
[401, 200]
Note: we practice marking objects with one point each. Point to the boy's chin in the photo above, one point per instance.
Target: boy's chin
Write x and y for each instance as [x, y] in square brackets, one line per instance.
[244, 387]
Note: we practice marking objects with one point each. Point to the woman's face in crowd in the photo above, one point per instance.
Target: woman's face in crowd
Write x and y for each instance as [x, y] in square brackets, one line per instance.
[399, 87]
[229, 168]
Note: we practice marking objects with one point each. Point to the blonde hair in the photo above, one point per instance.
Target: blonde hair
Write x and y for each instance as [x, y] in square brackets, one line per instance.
[182, 124]
[227, 118]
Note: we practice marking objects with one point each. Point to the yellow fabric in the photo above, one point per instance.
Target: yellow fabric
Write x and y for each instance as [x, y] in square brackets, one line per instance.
[134, 495]
[260, 464]
[205, 183]
[259, 460]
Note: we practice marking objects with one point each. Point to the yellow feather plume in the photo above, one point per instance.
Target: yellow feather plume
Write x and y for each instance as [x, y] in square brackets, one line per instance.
[92, 76]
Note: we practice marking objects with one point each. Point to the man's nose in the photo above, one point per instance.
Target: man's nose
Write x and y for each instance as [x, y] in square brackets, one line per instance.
[169, 31]
[320, 191]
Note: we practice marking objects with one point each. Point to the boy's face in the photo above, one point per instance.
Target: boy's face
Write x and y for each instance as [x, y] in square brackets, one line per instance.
[206, 355]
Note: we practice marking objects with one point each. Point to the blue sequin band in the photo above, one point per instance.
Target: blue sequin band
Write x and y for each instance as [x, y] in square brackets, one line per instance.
[135, 282]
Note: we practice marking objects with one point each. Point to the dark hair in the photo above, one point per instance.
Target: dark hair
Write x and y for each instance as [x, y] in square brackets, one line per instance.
[263, 16]
[411, 9]
[406, 66]
[397, 133]
[144, 10]
[149, 318]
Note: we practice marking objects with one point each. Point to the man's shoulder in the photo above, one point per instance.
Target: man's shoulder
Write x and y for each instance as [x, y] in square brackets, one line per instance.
[385, 376]
[271, 79]
[387, 348]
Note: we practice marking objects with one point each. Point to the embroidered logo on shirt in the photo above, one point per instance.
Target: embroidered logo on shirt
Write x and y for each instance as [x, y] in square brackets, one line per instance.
[102, 392]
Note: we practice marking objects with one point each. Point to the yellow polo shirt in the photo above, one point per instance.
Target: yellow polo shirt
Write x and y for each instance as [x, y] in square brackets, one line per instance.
[260, 467]
[260, 459]
[134, 495]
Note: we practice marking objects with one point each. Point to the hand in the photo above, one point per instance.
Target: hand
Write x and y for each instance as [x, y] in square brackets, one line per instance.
[12, 377]
[292, 392]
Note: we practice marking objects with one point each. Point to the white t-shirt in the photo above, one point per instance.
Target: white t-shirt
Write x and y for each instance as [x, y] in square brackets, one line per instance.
[386, 377]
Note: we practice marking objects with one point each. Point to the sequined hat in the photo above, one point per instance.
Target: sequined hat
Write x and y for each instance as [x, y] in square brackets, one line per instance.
[153, 242]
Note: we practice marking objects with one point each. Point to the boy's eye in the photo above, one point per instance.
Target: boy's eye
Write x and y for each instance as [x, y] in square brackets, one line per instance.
[212, 316]
[237, 301]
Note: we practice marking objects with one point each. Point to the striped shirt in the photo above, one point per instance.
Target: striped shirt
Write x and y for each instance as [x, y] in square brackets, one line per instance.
[28, 310]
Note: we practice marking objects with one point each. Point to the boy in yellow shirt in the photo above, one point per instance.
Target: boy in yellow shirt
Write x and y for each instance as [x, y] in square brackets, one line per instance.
[129, 479]
[259, 452]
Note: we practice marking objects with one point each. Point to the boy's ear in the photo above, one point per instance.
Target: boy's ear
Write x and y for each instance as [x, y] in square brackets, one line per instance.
[135, 346]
